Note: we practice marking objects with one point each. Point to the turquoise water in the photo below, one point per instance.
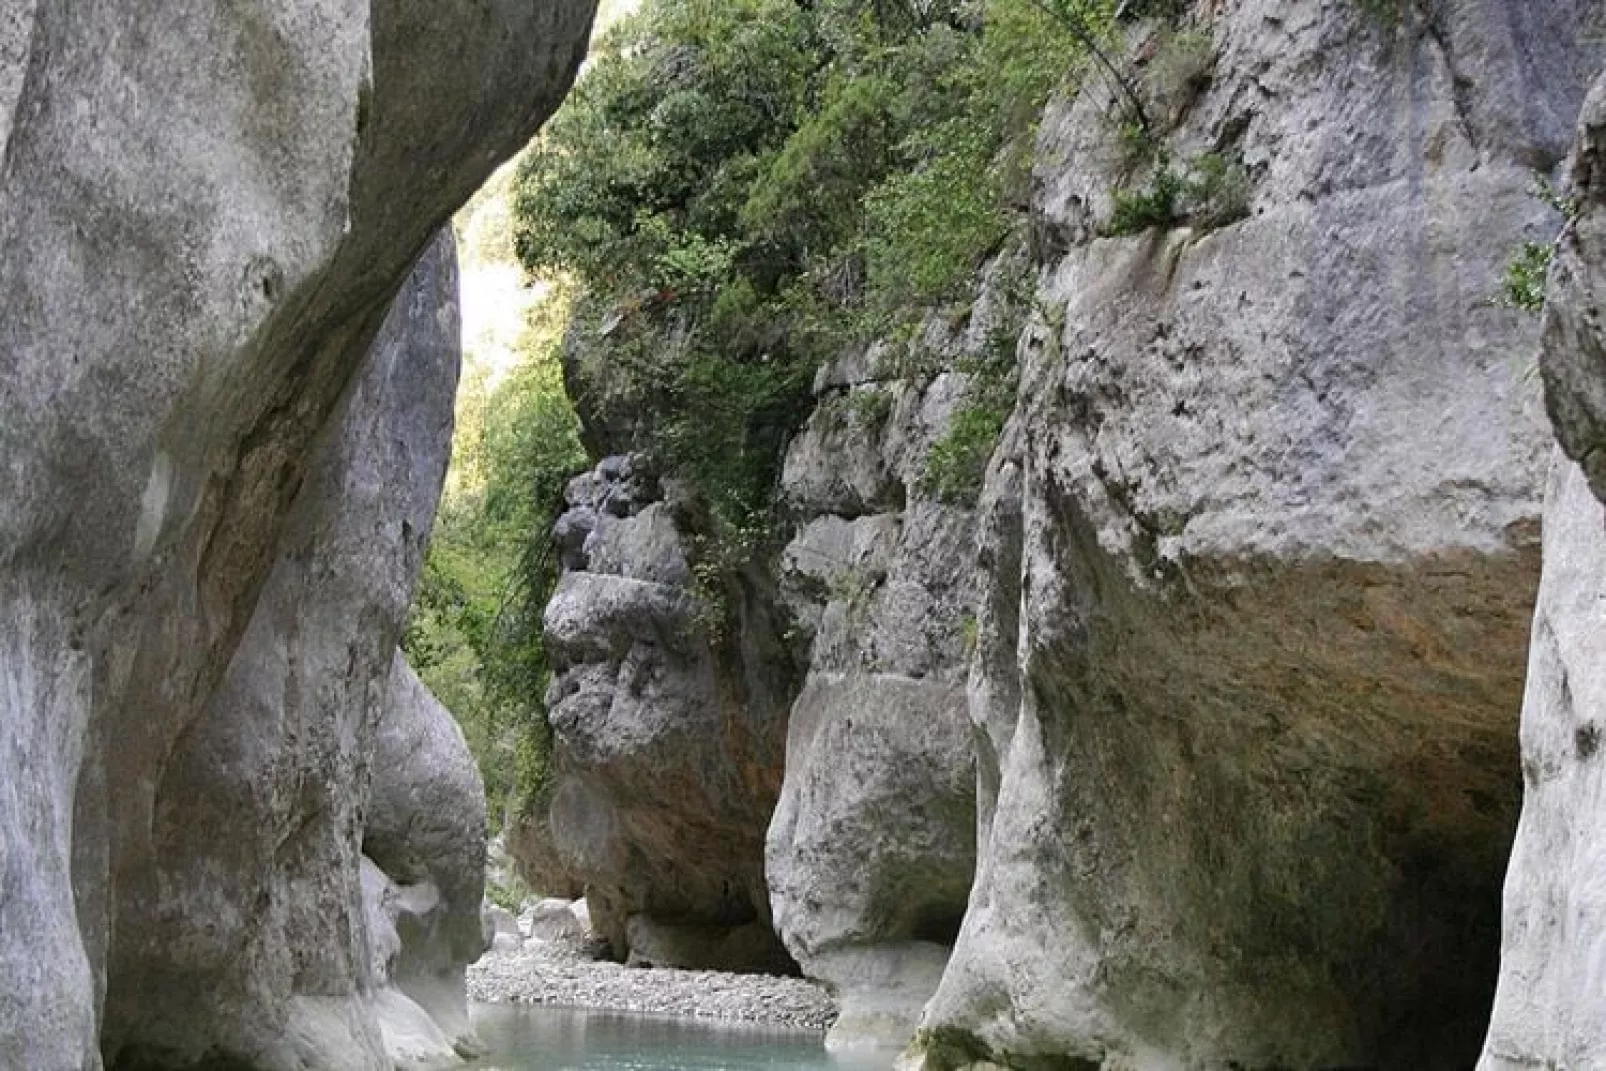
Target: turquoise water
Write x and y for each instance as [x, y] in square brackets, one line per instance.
[557, 1039]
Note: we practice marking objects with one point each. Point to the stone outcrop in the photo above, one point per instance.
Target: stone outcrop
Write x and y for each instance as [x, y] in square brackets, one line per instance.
[1260, 550]
[872, 848]
[243, 936]
[668, 714]
[1549, 1009]
[426, 834]
[203, 223]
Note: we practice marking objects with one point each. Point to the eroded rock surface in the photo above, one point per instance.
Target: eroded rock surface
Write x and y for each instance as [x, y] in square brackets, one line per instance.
[243, 938]
[872, 848]
[426, 833]
[203, 225]
[1549, 1009]
[668, 712]
[1261, 548]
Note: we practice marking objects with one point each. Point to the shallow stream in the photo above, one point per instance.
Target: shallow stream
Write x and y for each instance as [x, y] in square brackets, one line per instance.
[559, 1039]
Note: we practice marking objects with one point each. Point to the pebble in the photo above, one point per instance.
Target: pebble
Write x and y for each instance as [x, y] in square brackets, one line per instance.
[554, 974]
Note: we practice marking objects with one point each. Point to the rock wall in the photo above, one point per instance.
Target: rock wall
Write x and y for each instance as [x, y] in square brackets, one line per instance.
[1260, 549]
[204, 220]
[871, 850]
[423, 868]
[1548, 1007]
[241, 936]
[667, 707]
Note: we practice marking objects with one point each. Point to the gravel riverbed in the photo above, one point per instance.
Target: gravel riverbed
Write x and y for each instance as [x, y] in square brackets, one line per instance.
[561, 977]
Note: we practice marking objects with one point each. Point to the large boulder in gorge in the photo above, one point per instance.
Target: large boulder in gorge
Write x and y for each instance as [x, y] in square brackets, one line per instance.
[668, 714]
[242, 936]
[1260, 545]
[1550, 1009]
[203, 220]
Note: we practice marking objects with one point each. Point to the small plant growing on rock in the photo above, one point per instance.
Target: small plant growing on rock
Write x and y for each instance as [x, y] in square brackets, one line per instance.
[1211, 192]
[870, 406]
[1159, 204]
[1218, 191]
[1522, 283]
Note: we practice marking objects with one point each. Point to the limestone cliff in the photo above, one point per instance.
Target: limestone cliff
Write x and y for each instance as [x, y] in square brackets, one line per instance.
[240, 933]
[204, 218]
[1239, 620]
[1261, 548]
[1547, 1010]
[871, 850]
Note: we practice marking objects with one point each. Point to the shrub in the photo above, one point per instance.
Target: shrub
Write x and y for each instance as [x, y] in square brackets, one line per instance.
[1217, 191]
[1522, 284]
[1210, 192]
[870, 405]
[1157, 205]
[742, 188]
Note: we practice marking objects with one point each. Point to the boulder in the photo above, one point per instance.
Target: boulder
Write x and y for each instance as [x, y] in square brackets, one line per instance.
[552, 920]
[1260, 552]
[499, 920]
[668, 707]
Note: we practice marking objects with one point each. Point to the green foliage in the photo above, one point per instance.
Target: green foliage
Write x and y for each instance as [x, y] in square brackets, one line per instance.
[1522, 284]
[929, 227]
[870, 406]
[956, 464]
[1544, 190]
[742, 187]
[1157, 205]
[510, 896]
[1211, 191]
[1218, 191]
[474, 633]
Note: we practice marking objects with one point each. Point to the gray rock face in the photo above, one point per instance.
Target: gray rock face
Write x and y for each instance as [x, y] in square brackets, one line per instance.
[668, 721]
[426, 832]
[1260, 553]
[243, 935]
[1548, 1009]
[1573, 359]
[871, 850]
[203, 226]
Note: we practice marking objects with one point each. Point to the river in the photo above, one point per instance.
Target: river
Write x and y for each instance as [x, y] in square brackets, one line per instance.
[558, 1039]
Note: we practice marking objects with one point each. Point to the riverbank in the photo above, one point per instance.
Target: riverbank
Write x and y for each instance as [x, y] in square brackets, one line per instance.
[556, 976]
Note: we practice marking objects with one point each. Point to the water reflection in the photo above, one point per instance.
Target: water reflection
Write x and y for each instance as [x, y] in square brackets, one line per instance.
[558, 1039]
